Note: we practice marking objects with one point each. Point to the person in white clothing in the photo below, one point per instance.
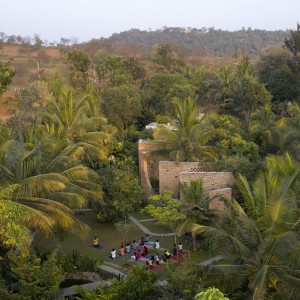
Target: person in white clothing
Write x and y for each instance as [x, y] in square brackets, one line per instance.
[157, 245]
[113, 253]
[180, 247]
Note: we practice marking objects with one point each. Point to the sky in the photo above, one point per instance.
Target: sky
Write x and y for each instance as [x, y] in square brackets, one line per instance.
[87, 19]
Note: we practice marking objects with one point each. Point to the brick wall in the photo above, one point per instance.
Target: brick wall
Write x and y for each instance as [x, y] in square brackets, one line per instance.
[217, 202]
[211, 180]
[169, 174]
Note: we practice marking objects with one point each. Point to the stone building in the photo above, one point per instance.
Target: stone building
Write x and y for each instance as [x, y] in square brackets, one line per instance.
[169, 174]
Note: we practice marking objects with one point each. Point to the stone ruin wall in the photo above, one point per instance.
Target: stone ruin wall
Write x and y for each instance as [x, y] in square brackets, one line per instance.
[211, 180]
[218, 203]
[148, 164]
[169, 174]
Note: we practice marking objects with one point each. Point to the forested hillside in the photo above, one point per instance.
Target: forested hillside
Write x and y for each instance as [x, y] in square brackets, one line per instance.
[215, 42]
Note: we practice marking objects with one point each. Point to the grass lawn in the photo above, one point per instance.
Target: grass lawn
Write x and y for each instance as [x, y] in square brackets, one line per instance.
[110, 236]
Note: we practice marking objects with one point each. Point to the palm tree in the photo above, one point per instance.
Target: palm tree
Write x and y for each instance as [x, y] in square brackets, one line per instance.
[264, 128]
[187, 138]
[195, 203]
[261, 242]
[82, 124]
[246, 92]
[291, 130]
[52, 178]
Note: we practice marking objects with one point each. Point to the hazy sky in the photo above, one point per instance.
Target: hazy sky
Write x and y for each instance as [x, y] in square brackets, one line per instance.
[86, 19]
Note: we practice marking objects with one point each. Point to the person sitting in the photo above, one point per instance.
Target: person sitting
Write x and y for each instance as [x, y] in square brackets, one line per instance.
[142, 242]
[180, 247]
[96, 242]
[150, 264]
[133, 258]
[113, 254]
[145, 251]
[167, 255]
[147, 239]
[133, 245]
[156, 259]
[127, 248]
[157, 245]
[122, 251]
[138, 254]
[174, 250]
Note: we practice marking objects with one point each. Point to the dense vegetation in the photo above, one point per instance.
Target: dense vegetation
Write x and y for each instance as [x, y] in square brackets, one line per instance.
[71, 143]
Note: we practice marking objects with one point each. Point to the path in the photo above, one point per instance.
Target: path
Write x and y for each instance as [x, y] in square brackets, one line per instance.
[71, 292]
[146, 230]
[211, 260]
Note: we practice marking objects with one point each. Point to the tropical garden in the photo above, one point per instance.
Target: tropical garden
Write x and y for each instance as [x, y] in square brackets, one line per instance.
[71, 145]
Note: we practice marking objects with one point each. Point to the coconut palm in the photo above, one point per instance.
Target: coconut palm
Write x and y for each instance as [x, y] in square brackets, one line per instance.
[187, 137]
[52, 178]
[263, 127]
[261, 242]
[82, 123]
[291, 131]
[194, 206]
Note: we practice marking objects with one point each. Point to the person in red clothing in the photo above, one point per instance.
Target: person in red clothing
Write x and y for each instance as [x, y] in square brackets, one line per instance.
[145, 251]
[122, 251]
[138, 254]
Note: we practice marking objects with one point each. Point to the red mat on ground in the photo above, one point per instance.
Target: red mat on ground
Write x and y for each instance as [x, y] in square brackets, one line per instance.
[147, 246]
[155, 268]
[180, 255]
[143, 259]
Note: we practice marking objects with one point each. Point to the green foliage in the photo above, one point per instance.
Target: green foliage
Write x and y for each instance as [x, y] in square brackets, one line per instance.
[260, 242]
[264, 129]
[138, 284]
[239, 165]
[215, 42]
[188, 137]
[122, 194]
[79, 64]
[184, 280]
[78, 262]
[229, 138]
[275, 71]
[165, 209]
[6, 76]
[13, 230]
[160, 90]
[111, 69]
[293, 43]
[162, 55]
[122, 105]
[211, 294]
[36, 279]
[246, 92]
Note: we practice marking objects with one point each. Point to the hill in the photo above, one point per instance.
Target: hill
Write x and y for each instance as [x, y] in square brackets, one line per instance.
[215, 42]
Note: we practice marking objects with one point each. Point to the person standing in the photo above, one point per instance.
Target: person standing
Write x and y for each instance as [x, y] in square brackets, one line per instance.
[113, 253]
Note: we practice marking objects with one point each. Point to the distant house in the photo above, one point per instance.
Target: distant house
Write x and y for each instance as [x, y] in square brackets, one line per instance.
[154, 125]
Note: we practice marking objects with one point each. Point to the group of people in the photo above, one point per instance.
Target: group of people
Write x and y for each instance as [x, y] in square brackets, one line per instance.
[139, 250]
